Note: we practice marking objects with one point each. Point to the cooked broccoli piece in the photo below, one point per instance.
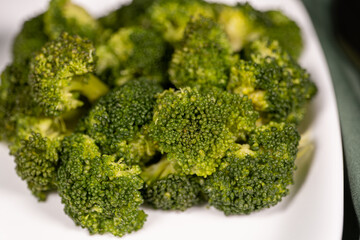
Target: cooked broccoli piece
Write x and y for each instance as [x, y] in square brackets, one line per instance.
[279, 88]
[14, 88]
[170, 17]
[29, 40]
[99, 192]
[36, 152]
[118, 121]
[281, 28]
[244, 24]
[128, 15]
[203, 57]
[129, 53]
[65, 16]
[195, 128]
[61, 71]
[255, 175]
[15, 99]
[168, 189]
[241, 23]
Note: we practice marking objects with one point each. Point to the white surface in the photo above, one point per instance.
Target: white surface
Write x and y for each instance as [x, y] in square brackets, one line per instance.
[313, 210]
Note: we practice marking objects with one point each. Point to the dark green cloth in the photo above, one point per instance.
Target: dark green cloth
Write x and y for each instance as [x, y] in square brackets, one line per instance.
[346, 81]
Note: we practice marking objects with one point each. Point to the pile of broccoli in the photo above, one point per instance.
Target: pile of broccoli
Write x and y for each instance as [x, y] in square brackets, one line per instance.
[162, 103]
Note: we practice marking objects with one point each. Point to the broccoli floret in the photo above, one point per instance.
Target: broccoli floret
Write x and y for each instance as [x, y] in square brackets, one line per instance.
[281, 28]
[255, 175]
[14, 88]
[128, 15]
[118, 121]
[65, 16]
[195, 128]
[279, 88]
[61, 71]
[29, 40]
[244, 24]
[15, 99]
[204, 56]
[168, 189]
[36, 152]
[129, 53]
[170, 17]
[99, 192]
[241, 23]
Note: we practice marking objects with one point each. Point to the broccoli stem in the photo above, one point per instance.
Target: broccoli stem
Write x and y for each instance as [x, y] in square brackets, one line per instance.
[90, 86]
[158, 170]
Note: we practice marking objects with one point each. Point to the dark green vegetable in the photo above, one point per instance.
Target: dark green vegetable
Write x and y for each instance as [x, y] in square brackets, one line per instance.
[118, 121]
[195, 128]
[100, 192]
[203, 58]
[168, 188]
[255, 175]
[61, 71]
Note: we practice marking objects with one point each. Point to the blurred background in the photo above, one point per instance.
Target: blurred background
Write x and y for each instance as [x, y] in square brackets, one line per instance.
[336, 22]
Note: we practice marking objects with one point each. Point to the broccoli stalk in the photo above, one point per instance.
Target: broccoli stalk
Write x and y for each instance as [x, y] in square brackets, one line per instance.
[89, 86]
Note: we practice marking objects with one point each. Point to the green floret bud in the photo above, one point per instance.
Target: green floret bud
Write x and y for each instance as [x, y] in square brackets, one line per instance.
[241, 23]
[29, 40]
[203, 58]
[196, 128]
[61, 71]
[281, 28]
[36, 153]
[64, 16]
[117, 122]
[168, 189]
[15, 99]
[170, 17]
[128, 15]
[278, 86]
[99, 192]
[130, 53]
[255, 175]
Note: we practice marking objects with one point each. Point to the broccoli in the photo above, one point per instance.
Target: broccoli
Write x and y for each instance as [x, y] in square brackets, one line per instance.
[203, 57]
[256, 174]
[170, 17]
[36, 152]
[281, 28]
[168, 189]
[99, 192]
[169, 103]
[29, 40]
[118, 121]
[131, 52]
[60, 71]
[15, 100]
[279, 88]
[65, 16]
[14, 88]
[241, 23]
[244, 24]
[196, 128]
[129, 15]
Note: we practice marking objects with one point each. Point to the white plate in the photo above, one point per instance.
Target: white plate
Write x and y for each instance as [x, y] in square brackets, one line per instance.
[313, 210]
